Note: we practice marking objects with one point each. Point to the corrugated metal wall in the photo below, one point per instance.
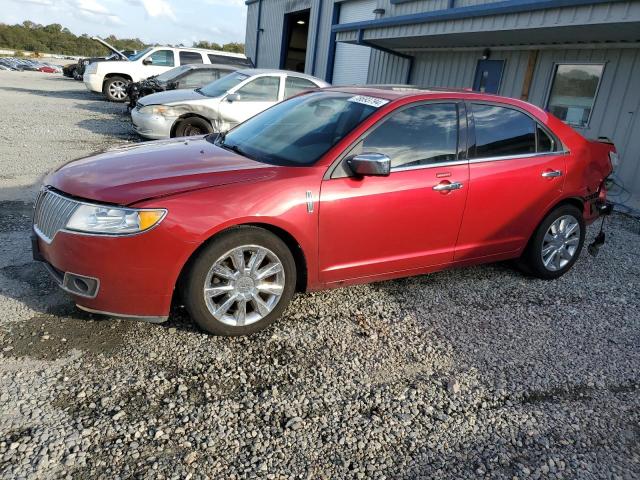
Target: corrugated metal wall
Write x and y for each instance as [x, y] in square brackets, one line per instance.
[616, 113]
[351, 64]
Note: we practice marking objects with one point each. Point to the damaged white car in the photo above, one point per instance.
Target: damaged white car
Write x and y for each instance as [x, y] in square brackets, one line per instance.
[218, 106]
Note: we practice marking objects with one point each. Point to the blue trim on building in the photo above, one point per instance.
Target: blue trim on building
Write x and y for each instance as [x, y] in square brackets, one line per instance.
[258, 32]
[315, 41]
[335, 19]
[410, 58]
[498, 8]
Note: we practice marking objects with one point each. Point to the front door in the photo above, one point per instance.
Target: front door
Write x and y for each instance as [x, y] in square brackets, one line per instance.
[379, 226]
[488, 76]
[250, 99]
[158, 62]
[516, 173]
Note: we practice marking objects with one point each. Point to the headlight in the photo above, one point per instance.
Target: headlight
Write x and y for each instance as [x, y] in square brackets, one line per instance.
[159, 110]
[113, 220]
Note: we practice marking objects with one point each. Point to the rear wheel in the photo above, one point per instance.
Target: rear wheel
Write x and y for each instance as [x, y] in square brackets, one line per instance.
[556, 243]
[240, 283]
[115, 89]
[192, 126]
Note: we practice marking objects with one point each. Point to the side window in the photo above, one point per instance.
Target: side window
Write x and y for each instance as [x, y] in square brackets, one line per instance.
[196, 78]
[187, 58]
[262, 89]
[295, 85]
[415, 136]
[162, 58]
[544, 142]
[502, 131]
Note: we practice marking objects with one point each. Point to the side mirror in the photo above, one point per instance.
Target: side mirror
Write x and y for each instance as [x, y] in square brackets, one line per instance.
[147, 61]
[233, 97]
[370, 164]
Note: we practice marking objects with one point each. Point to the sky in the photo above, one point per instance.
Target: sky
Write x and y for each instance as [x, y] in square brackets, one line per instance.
[153, 21]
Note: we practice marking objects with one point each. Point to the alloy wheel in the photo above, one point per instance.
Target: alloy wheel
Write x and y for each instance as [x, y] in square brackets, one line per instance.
[560, 243]
[191, 130]
[118, 90]
[244, 285]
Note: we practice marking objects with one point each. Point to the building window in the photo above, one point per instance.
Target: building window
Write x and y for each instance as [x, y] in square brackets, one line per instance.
[573, 92]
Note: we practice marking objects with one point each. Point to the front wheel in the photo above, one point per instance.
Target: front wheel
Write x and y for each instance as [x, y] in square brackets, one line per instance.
[556, 243]
[192, 126]
[115, 89]
[240, 283]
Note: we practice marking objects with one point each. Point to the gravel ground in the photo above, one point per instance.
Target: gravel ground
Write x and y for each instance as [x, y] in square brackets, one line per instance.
[461, 374]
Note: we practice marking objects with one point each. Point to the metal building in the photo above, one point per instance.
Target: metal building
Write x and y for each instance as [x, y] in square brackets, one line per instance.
[579, 59]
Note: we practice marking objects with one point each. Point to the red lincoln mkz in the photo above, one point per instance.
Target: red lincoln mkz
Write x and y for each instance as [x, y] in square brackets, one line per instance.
[331, 188]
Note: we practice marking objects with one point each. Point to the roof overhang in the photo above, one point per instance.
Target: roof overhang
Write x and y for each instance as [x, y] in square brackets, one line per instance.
[512, 22]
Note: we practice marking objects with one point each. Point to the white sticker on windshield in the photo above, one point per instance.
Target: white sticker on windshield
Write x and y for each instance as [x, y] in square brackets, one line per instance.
[372, 101]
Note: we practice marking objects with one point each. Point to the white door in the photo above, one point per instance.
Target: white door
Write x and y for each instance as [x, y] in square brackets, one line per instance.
[250, 99]
[351, 63]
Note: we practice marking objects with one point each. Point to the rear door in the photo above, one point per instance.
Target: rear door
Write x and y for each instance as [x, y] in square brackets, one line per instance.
[253, 97]
[376, 226]
[516, 172]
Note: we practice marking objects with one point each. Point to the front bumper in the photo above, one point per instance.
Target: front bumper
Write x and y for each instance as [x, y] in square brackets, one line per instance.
[93, 82]
[154, 127]
[130, 276]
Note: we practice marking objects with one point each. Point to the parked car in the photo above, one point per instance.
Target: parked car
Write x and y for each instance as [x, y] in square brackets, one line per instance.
[185, 77]
[330, 188]
[77, 72]
[113, 77]
[219, 106]
[29, 64]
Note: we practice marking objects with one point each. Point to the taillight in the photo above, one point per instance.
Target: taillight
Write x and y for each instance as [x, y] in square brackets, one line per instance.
[602, 191]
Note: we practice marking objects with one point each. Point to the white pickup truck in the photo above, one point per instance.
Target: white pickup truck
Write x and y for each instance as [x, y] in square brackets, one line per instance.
[112, 77]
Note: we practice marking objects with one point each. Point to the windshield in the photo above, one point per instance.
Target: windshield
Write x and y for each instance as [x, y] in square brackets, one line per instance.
[139, 55]
[222, 85]
[300, 130]
[171, 74]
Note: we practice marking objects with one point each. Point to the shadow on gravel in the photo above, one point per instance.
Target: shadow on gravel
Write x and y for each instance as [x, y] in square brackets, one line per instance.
[46, 337]
[70, 94]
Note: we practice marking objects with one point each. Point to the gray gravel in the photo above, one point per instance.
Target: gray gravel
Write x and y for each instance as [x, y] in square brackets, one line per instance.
[461, 374]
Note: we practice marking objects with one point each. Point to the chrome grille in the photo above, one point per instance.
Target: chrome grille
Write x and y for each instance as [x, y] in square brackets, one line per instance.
[52, 213]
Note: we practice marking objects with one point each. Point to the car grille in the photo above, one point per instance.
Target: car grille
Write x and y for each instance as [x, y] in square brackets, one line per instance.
[51, 214]
[139, 106]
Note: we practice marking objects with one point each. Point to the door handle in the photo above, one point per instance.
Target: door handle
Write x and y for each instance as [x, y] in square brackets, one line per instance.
[445, 187]
[552, 173]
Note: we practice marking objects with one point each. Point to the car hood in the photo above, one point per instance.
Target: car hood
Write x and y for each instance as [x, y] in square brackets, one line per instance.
[172, 96]
[130, 174]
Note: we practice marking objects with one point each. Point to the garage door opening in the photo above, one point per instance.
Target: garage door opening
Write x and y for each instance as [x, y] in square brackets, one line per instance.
[294, 41]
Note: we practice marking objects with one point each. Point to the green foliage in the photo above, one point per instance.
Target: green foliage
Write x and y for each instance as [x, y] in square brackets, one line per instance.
[55, 38]
[227, 47]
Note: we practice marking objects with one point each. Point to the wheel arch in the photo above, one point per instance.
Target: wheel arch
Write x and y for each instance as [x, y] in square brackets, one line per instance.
[187, 115]
[111, 75]
[290, 241]
[575, 201]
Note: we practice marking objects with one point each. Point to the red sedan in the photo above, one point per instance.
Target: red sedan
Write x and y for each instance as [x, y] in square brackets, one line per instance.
[330, 188]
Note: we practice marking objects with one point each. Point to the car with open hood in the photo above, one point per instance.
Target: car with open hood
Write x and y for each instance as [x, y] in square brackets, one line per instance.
[218, 106]
[112, 77]
[330, 188]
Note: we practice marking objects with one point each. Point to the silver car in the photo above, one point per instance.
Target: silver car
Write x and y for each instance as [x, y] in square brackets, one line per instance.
[218, 106]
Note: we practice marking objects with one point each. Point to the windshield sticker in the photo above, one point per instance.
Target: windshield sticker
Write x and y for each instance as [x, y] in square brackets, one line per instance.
[371, 101]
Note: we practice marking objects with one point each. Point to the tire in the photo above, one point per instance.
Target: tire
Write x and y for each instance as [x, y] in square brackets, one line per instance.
[213, 268]
[556, 244]
[192, 126]
[115, 89]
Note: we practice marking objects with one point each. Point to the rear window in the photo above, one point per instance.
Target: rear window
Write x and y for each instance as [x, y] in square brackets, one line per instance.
[502, 131]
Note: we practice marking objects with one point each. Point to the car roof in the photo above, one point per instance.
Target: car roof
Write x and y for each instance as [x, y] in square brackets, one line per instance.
[263, 71]
[396, 92]
[217, 66]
